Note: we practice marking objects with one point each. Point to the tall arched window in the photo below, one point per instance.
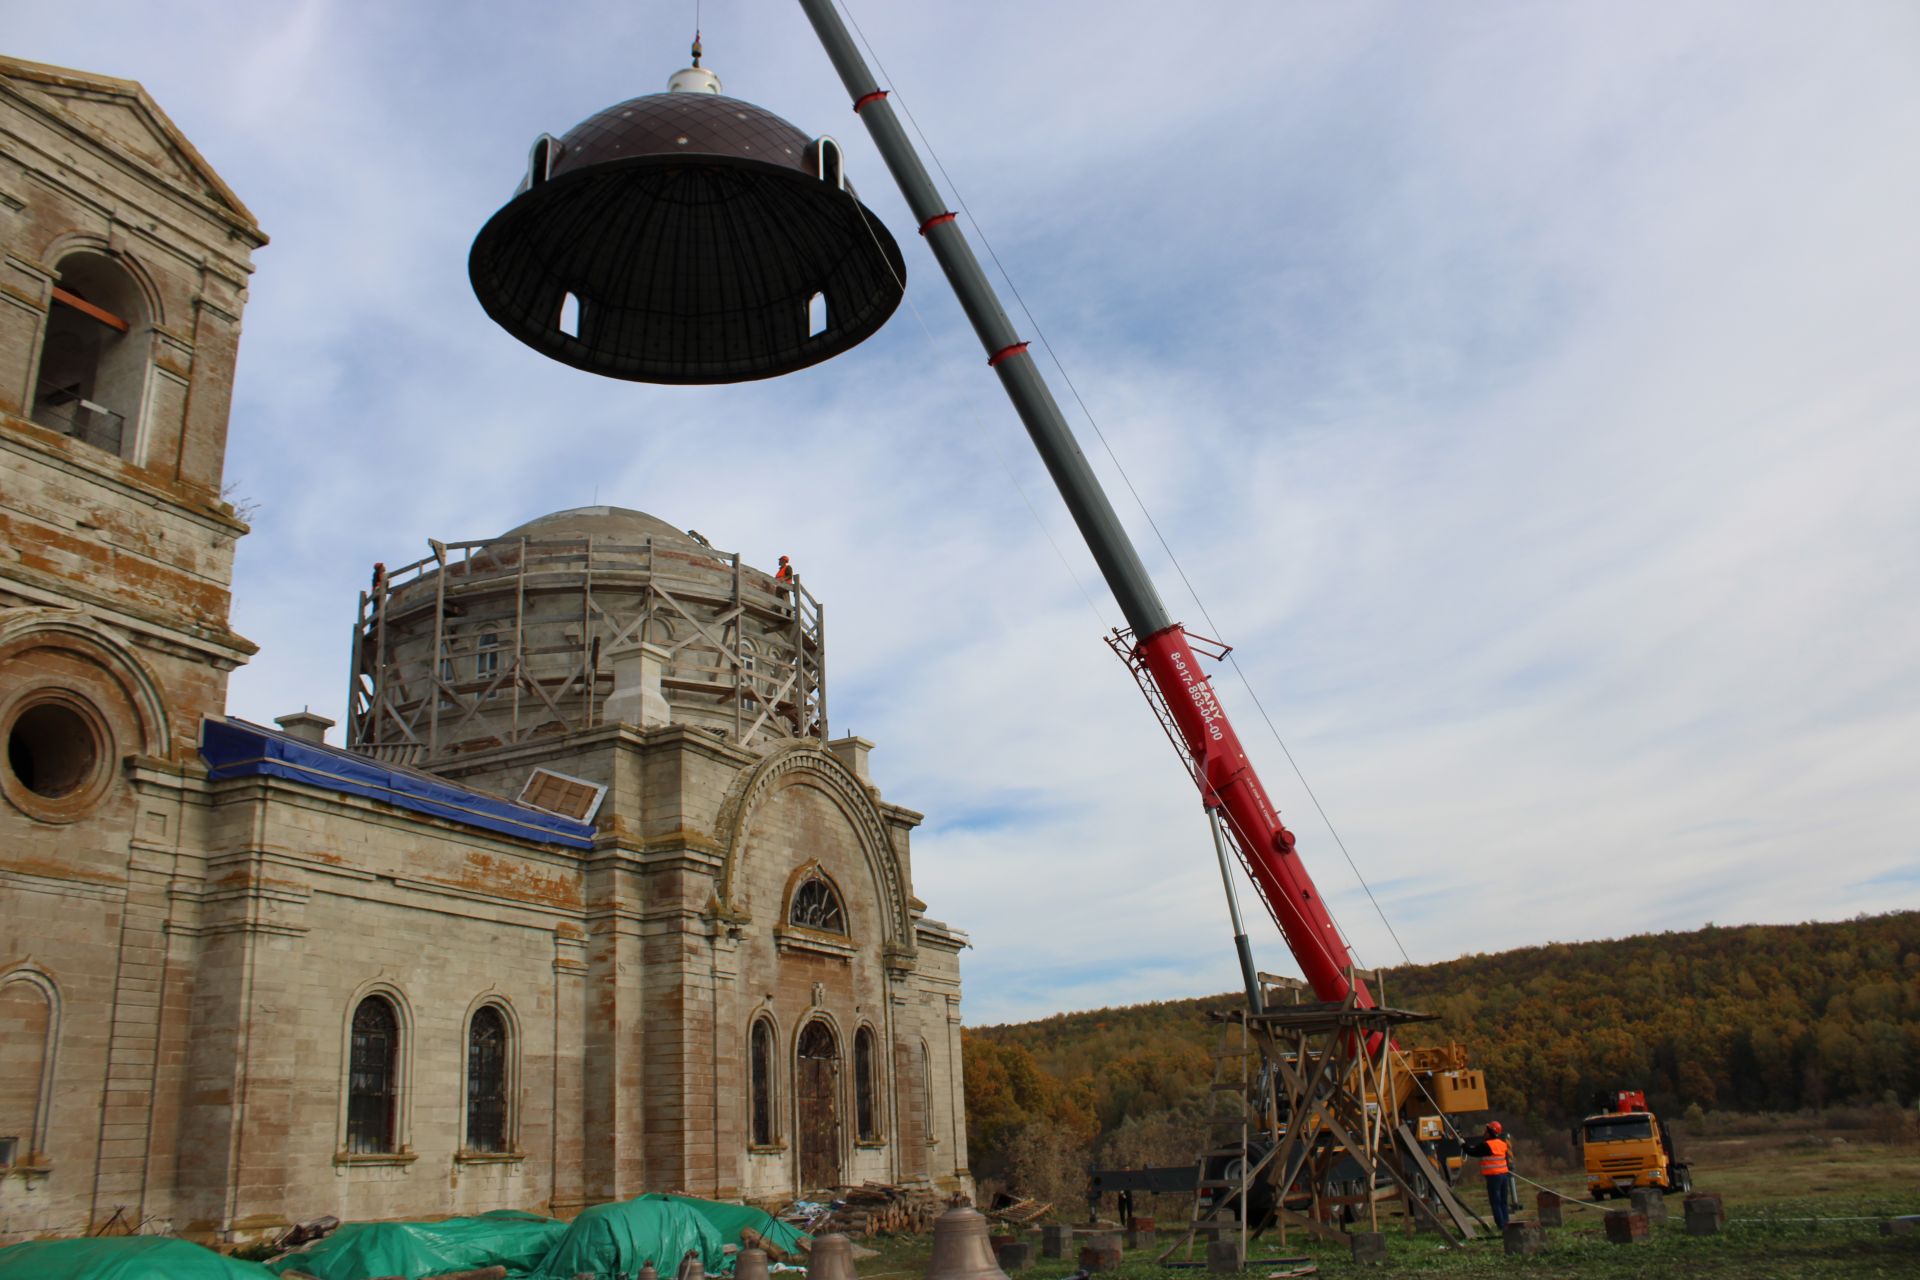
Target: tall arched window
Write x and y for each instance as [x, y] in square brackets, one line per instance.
[487, 1080]
[93, 361]
[926, 1090]
[760, 1067]
[865, 1086]
[817, 906]
[373, 1077]
[29, 1023]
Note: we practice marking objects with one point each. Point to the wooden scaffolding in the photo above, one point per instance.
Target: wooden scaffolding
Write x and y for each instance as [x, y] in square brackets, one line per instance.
[497, 641]
[1319, 1136]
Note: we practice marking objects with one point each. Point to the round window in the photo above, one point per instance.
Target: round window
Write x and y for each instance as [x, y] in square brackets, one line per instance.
[51, 750]
[56, 749]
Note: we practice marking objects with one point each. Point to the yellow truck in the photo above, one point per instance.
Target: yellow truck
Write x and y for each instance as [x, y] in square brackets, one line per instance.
[1627, 1146]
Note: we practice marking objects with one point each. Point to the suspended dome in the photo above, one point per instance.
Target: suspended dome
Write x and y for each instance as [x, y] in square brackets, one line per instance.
[687, 237]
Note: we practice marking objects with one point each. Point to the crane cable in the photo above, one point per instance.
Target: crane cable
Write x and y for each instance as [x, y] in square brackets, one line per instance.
[981, 432]
[1040, 333]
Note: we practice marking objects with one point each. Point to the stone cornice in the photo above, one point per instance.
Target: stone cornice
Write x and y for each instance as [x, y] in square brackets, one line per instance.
[261, 789]
[27, 436]
[539, 750]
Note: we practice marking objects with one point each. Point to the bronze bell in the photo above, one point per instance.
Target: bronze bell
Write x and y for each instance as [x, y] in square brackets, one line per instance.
[648, 1273]
[751, 1264]
[960, 1247]
[831, 1259]
[691, 1268]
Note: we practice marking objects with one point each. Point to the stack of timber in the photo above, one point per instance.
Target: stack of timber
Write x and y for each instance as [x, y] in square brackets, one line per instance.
[878, 1208]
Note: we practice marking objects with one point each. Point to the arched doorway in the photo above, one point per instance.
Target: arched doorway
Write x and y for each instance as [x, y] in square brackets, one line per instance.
[817, 1094]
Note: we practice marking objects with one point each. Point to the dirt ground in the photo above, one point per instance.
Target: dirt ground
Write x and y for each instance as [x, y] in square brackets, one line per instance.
[1797, 1205]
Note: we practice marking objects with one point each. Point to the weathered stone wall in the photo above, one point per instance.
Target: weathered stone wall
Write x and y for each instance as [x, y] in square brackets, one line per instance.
[114, 576]
[719, 837]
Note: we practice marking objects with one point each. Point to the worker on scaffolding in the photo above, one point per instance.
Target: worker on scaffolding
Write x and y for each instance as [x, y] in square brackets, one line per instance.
[784, 575]
[1496, 1166]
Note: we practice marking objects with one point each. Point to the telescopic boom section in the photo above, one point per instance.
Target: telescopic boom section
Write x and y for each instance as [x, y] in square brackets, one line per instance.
[1222, 770]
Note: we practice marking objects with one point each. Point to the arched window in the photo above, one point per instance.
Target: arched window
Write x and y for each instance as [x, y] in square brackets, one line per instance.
[760, 1065]
[926, 1090]
[29, 1025]
[373, 1077]
[865, 1086]
[93, 362]
[817, 906]
[487, 1080]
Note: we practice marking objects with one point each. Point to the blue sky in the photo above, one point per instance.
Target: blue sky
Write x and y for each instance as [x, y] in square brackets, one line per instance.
[1530, 393]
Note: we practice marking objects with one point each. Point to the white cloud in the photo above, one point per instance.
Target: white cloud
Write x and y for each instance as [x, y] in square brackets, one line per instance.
[1529, 392]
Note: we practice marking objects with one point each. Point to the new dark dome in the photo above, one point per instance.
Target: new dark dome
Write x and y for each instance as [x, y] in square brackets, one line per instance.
[693, 233]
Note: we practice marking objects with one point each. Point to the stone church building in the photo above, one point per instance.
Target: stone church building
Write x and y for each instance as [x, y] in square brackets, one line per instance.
[587, 903]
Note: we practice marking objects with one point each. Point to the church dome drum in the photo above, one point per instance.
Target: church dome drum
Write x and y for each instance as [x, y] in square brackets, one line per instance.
[585, 617]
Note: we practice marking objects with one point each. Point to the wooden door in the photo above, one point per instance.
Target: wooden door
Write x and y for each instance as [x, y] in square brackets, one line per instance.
[817, 1081]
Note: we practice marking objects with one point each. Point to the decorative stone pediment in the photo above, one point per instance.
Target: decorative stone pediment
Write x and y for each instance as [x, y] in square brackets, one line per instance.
[818, 768]
[119, 116]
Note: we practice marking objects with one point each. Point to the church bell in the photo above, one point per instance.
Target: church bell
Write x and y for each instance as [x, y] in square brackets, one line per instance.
[751, 1264]
[687, 237]
[961, 1250]
[831, 1258]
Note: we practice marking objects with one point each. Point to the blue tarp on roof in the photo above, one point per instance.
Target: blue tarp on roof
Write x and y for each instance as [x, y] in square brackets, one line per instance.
[239, 749]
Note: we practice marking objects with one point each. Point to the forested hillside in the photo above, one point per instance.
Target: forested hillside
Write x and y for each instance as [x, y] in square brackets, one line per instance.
[1754, 1018]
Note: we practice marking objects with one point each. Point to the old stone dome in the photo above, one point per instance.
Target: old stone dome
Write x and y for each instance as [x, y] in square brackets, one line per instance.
[618, 523]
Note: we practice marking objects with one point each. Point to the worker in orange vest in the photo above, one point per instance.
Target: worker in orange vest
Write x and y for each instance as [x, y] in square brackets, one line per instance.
[785, 573]
[1496, 1165]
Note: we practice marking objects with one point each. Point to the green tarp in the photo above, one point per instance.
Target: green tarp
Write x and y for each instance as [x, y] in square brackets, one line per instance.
[731, 1219]
[516, 1241]
[122, 1258]
[625, 1236]
[604, 1240]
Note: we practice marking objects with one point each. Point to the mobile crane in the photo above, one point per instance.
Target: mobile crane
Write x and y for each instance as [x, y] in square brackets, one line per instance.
[1163, 656]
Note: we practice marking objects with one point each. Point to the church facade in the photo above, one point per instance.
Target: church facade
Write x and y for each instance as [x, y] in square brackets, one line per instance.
[587, 902]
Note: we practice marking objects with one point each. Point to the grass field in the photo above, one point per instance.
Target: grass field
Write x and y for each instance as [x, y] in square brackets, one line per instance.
[1797, 1205]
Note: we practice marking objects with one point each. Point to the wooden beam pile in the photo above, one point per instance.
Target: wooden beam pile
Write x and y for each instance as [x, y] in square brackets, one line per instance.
[878, 1208]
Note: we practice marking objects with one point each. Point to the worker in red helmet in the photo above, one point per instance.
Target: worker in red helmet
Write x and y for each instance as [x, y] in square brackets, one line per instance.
[1496, 1166]
[785, 573]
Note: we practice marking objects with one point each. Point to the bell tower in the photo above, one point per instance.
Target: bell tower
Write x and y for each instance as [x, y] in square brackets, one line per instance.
[123, 269]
